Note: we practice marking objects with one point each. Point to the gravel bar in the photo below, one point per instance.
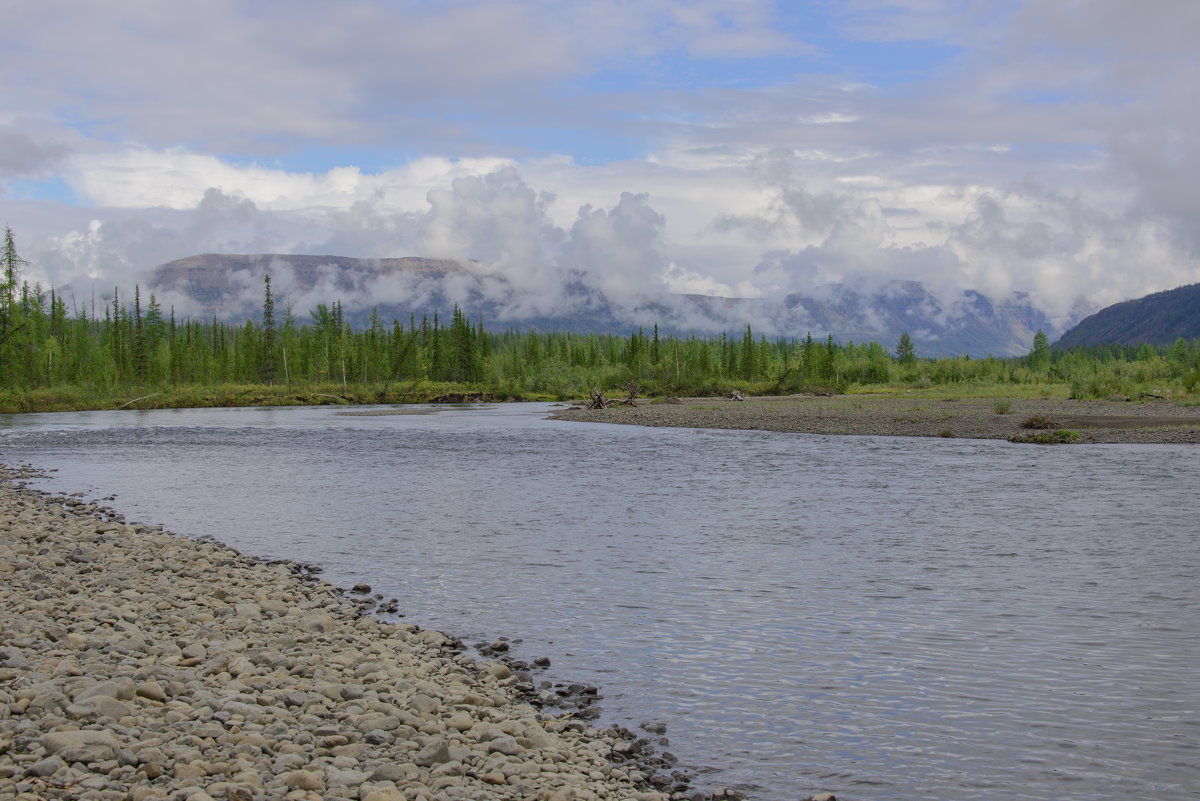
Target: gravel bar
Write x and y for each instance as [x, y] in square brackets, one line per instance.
[136, 664]
[1152, 422]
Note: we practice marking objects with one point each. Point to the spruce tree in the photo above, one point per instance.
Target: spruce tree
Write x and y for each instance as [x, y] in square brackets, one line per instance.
[905, 352]
[266, 362]
[1039, 356]
[11, 318]
[810, 356]
[12, 270]
[830, 359]
[749, 360]
[139, 336]
[118, 344]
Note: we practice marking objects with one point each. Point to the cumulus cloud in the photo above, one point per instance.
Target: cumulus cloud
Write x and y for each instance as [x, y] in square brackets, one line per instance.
[177, 179]
[618, 250]
[500, 221]
[496, 222]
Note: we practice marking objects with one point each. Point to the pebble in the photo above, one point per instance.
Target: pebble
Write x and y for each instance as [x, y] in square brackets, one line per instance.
[140, 665]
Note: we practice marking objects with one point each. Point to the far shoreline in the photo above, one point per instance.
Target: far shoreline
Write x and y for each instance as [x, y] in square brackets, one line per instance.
[894, 413]
[1090, 422]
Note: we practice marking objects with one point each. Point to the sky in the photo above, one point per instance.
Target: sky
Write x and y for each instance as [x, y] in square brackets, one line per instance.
[741, 148]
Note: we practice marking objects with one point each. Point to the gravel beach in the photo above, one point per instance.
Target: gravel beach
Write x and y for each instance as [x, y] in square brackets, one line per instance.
[136, 664]
[913, 416]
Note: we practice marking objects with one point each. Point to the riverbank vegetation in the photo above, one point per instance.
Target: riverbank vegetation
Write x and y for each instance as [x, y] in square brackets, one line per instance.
[135, 354]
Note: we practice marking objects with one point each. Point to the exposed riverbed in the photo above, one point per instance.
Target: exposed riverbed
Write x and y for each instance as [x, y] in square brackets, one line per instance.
[139, 665]
[1092, 421]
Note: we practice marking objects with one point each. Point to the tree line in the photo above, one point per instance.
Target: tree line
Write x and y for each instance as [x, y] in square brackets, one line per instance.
[135, 345]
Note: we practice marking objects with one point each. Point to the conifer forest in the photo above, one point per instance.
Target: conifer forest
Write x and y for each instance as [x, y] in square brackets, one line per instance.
[134, 353]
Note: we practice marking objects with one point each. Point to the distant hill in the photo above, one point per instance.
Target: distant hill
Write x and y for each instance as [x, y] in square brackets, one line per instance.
[230, 287]
[1158, 319]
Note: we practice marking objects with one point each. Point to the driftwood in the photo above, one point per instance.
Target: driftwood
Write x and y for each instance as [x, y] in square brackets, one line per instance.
[737, 396]
[135, 400]
[598, 400]
[631, 393]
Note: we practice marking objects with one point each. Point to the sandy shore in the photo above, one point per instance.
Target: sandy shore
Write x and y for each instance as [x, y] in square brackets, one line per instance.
[915, 416]
[135, 664]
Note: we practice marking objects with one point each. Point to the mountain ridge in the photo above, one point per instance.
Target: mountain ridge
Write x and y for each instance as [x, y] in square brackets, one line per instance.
[1159, 318]
[229, 286]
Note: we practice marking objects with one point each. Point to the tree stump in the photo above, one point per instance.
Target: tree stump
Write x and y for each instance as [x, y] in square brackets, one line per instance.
[598, 400]
[631, 393]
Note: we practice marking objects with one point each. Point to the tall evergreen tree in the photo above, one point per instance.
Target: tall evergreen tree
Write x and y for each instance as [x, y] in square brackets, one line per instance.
[831, 365]
[809, 352]
[435, 348]
[140, 362]
[12, 268]
[905, 352]
[266, 362]
[10, 313]
[116, 337]
[1039, 356]
[748, 364]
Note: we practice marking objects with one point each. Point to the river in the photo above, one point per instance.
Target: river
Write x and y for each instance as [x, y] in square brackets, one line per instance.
[886, 618]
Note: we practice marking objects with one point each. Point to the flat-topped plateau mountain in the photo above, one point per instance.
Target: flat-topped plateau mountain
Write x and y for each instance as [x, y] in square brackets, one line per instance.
[230, 286]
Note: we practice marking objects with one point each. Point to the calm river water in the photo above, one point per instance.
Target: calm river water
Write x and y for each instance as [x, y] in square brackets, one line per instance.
[883, 618]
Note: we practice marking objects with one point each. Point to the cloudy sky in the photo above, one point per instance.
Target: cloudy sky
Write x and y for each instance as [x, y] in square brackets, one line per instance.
[743, 147]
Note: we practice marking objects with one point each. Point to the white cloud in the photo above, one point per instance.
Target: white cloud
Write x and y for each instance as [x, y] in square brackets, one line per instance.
[686, 282]
[618, 249]
[178, 179]
[1052, 149]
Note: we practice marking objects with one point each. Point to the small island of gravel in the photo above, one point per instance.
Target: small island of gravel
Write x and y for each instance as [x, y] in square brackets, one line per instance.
[1096, 421]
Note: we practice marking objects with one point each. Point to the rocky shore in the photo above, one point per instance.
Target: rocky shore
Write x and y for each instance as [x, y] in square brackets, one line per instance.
[136, 664]
[1157, 422]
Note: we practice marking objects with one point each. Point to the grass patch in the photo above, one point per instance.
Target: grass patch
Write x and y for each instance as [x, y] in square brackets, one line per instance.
[1061, 436]
[965, 390]
[74, 398]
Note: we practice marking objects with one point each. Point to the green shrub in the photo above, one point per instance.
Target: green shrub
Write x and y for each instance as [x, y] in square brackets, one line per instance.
[1062, 436]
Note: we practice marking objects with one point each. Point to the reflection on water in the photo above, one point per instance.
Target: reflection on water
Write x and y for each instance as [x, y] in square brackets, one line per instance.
[885, 618]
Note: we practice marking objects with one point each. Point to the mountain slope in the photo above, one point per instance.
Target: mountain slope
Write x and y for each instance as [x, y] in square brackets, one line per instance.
[231, 287]
[1158, 319]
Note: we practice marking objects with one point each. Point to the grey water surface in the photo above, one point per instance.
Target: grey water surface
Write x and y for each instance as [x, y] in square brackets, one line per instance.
[886, 618]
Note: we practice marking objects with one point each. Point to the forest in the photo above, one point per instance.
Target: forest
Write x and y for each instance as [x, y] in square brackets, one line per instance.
[137, 355]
